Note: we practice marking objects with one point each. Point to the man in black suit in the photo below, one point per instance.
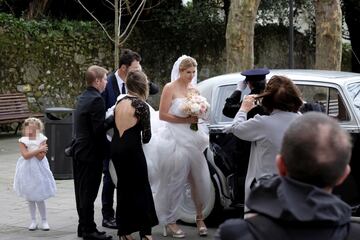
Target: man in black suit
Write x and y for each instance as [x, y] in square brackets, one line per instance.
[89, 147]
[255, 80]
[129, 60]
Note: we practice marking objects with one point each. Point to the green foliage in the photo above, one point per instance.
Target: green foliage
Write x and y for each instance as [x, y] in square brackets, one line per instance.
[34, 28]
[49, 58]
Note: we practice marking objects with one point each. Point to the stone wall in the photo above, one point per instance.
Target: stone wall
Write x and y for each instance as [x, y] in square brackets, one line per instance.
[47, 60]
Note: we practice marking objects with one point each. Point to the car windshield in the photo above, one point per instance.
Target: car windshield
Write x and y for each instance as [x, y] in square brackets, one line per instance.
[354, 91]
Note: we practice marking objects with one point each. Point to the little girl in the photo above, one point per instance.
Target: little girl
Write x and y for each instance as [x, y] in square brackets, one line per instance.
[33, 179]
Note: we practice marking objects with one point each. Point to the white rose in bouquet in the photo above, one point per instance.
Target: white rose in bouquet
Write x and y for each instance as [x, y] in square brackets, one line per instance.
[195, 105]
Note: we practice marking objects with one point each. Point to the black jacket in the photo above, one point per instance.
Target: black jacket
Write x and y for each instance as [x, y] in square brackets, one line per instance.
[288, 209]
[233, 104]
[90, 126]
[112, 90]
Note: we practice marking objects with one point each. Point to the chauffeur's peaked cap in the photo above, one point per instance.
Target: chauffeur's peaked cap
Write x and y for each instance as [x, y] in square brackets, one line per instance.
[255, 74]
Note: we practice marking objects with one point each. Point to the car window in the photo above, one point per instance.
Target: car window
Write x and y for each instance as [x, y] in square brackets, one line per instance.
[223, 93]
[354, 91]
[325, 99]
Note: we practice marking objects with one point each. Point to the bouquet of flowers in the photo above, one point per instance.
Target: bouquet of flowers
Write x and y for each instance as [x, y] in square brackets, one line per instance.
[195, 105]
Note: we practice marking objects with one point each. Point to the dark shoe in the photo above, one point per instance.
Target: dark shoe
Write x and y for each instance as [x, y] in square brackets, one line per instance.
[80, 232]
[109, 223]
[95, 236]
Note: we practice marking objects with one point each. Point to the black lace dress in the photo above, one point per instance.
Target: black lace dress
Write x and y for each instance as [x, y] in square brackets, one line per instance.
[135, 209]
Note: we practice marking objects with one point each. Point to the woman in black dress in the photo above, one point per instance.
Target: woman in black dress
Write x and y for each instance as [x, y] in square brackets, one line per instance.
[135, 205]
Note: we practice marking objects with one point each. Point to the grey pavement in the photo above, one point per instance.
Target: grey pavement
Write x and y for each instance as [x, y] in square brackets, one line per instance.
[61, 210]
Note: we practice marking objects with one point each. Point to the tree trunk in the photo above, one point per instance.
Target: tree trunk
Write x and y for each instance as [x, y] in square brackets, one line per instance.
[240, 35]
[328, 34]
[36, 9]
[352, 13]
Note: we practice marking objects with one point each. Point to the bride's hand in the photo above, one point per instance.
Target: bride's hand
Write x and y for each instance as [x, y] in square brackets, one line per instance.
[192, 119]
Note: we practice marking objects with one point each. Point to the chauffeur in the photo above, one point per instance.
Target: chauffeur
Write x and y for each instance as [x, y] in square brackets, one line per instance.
[256, 80]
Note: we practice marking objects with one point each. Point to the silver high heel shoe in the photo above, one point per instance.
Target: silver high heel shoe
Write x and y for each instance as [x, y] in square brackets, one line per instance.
[175, 234]
[202, 230]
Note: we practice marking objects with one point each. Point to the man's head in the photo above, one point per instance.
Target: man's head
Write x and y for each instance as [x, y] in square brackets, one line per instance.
[129, 60]
[256, 78]
[315, 150]
[96, 76]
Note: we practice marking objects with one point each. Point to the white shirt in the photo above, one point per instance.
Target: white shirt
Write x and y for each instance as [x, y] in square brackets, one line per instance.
[119, 82]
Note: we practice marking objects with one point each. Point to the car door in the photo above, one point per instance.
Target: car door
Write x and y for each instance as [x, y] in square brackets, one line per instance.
[333, 100]
[228, 154]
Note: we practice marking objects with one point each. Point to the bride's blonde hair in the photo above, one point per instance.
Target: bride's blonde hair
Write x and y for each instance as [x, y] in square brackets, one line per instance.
[187, 63]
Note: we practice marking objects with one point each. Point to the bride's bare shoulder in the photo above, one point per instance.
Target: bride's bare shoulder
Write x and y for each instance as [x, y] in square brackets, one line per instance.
[169, 87]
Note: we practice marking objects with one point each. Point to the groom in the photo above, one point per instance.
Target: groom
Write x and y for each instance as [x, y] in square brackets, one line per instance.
[129, 60]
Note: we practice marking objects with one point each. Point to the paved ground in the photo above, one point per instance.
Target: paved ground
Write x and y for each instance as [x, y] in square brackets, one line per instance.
[62, 217]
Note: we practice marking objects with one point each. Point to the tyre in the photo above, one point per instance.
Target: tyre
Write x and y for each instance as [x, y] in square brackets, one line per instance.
[186, 210]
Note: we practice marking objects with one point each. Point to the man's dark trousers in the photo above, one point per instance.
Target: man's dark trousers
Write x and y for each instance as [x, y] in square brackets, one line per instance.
[107, 196]
[87, 178]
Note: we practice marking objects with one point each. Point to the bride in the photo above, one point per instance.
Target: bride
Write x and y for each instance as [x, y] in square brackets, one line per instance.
[175, 153]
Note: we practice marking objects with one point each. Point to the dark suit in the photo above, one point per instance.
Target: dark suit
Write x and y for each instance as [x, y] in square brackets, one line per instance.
[112, 91]
[233, 104]
[89, 150]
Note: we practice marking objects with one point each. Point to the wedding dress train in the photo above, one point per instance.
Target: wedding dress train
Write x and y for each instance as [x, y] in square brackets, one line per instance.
[175, 157]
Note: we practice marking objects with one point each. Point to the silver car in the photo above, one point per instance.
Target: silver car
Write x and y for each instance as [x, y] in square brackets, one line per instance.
[338, 93]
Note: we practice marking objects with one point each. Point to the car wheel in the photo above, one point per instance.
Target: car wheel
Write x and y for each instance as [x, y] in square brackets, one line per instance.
[187, 211]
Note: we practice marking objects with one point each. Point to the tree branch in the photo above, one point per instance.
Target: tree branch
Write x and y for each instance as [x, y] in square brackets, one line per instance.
[101, 25]
[136, 15]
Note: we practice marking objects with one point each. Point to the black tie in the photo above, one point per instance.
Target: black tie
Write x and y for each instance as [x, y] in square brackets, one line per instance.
[123, 90]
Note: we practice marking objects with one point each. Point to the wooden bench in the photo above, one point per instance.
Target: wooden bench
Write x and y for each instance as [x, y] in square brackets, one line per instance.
[14, 108]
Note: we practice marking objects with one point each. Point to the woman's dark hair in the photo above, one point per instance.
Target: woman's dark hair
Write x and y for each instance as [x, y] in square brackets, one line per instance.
[137, 83]
[282, 94]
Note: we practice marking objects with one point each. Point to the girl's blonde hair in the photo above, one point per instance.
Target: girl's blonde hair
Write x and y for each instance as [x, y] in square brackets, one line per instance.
[32, 120]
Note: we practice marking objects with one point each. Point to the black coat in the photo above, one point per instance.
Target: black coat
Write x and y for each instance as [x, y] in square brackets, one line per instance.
[288, 209]
[90, 127]
[233, 104]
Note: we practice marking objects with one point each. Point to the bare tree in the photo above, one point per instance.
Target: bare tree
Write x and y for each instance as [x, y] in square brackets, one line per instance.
[328, 34]
[240, 35]
[121, 7]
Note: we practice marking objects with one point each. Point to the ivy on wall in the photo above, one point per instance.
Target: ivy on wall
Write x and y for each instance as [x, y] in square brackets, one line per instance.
[46, 60]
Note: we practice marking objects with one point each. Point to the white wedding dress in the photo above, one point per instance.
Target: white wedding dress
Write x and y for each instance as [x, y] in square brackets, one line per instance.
[175, 157]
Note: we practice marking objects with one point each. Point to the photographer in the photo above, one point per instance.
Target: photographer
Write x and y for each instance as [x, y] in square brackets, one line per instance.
[281, 98]
[256, 80]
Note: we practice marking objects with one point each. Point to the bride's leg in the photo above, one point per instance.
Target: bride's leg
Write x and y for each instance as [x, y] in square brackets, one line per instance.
[199, 205]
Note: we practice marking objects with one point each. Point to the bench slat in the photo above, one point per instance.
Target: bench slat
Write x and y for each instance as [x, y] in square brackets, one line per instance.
[14, 108]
